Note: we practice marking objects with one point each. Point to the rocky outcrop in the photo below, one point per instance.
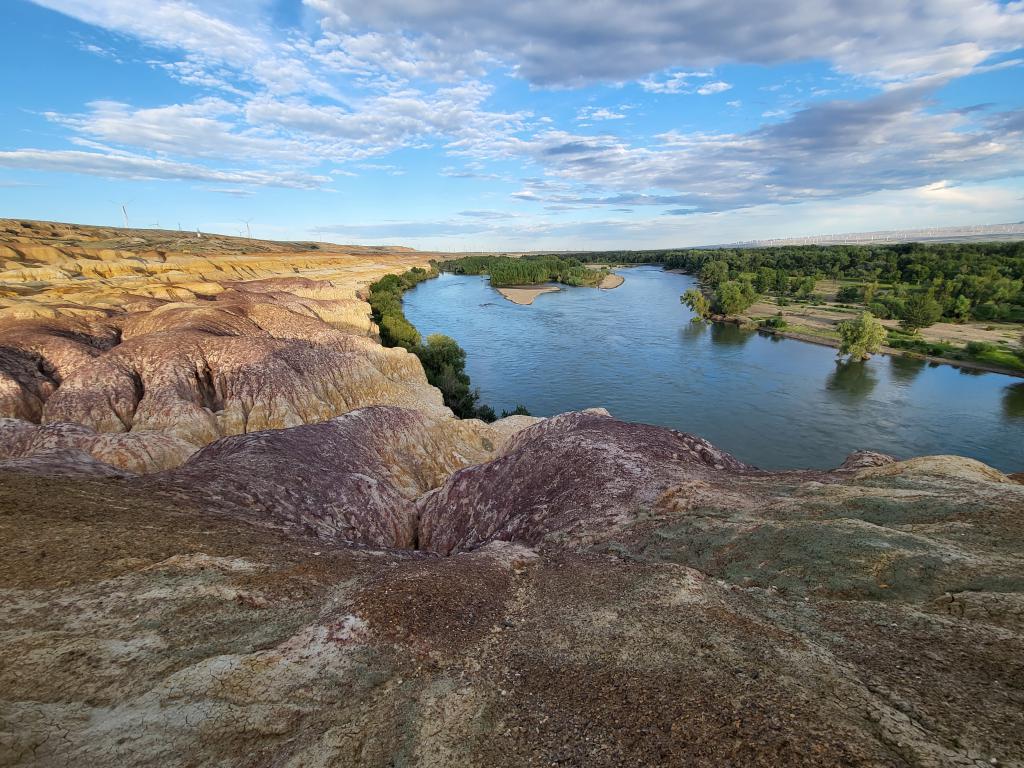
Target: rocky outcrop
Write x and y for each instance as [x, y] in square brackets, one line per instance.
[234, 530]
[254, 602]
[132, 451]
[177, 367]
[349, 480]
[567, 476]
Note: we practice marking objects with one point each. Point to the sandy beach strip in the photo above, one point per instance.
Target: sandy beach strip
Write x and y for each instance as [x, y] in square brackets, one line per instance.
[611, 281]
[525, 294]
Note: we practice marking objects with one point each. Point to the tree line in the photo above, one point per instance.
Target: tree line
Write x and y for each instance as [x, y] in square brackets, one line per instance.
[506, 271]
[981, 281]
[443, 360]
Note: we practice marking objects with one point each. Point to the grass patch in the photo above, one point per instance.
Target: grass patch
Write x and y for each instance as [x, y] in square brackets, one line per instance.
[983, 352]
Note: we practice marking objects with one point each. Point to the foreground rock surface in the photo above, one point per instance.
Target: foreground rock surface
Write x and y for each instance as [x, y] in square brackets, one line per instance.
[235, 531]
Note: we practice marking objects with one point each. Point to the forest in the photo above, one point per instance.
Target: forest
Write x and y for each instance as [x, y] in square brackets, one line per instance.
[980, 281]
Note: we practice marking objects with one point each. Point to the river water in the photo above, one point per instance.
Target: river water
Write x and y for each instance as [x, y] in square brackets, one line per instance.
[776, 403]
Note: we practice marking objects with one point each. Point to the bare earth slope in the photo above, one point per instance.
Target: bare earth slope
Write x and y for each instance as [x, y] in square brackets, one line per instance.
[234, 530]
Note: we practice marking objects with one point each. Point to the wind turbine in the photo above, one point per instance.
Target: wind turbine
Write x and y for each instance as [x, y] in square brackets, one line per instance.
[124, 211]
[248, 232]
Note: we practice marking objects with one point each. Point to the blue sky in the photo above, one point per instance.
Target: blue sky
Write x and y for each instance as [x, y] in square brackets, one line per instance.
[472, 124]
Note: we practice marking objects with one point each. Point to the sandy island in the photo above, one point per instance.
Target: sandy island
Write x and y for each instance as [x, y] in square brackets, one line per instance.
[525, 294]
[611, 281]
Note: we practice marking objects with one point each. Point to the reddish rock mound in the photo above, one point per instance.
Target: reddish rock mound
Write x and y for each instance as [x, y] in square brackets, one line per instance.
[566, 476]
[349, 480]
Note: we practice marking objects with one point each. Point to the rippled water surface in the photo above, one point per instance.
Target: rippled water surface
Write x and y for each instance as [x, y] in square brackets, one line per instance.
[776, 403]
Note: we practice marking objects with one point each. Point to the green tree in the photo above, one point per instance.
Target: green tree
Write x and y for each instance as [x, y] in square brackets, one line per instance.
[714, 273]
[861, 337]
[962, 309]
[697, 302]
[869, 292]
[781, 282]
[444, 362]
[803, 287]
[733, 297]
[920, 311]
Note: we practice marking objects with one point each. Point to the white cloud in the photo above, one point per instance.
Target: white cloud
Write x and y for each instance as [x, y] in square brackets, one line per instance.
[278, 107]
[826, 151]
[711, 88]
[600, 113]
[672, 82]
[129, 166]
[205, 128]
[901, 209]
[558, 43]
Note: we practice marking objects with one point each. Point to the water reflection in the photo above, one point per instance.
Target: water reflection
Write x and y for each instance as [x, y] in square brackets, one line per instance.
[971, 371]
[905, 369]
[854, 379]
[693, 330]
[1013, 401]
[729, 335]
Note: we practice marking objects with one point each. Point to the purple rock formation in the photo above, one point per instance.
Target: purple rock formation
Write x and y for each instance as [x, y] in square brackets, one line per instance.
[349, 480]
[567, 475]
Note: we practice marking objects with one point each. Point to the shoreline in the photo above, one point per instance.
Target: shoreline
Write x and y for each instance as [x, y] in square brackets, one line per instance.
[824, 341]
[525, 295]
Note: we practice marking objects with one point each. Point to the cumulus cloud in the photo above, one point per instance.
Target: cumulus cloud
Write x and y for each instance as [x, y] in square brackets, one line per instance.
[277, 107]
[829, 150]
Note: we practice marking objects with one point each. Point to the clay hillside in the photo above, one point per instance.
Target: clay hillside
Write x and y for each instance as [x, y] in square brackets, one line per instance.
[237, 531]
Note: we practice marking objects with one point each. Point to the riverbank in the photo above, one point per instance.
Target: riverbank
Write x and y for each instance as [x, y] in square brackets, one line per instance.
[963, 345]
[442, 358]
[829, 341]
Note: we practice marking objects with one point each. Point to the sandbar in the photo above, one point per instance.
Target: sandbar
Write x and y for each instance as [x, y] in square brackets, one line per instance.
[525, 294]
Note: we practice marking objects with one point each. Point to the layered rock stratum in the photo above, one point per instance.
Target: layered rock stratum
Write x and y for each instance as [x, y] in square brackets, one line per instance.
[238, 531]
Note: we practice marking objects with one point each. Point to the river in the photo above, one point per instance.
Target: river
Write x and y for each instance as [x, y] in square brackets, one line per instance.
[776, 403]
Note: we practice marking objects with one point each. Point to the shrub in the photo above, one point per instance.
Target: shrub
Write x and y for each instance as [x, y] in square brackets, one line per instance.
[519, 410]
[879, 310]
[849, 293]
[980, 347]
